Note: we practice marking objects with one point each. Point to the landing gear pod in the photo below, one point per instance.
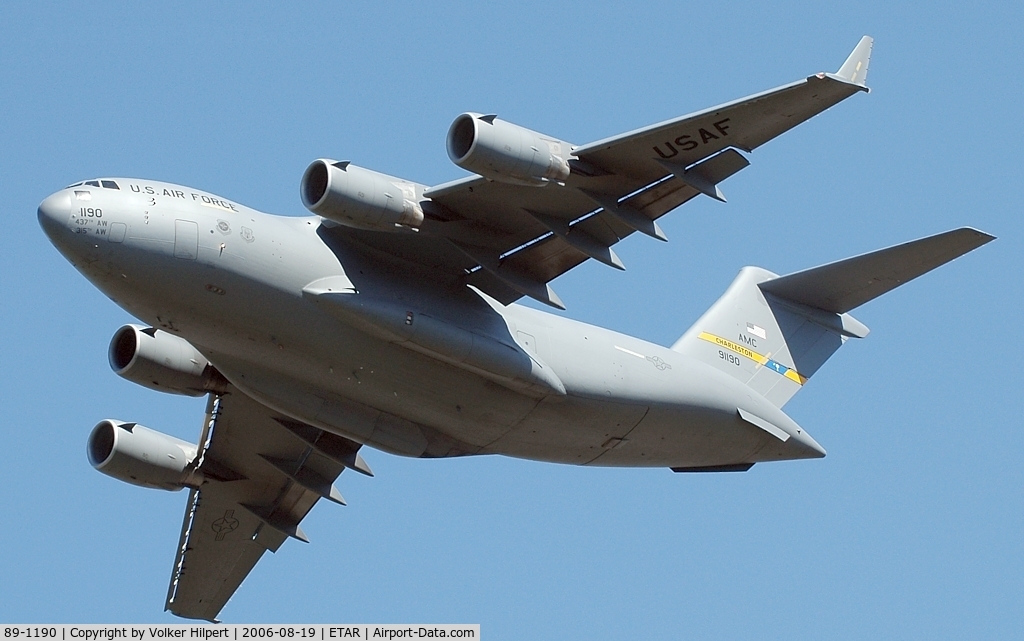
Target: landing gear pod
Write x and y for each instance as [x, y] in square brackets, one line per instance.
[505, 152]
[357, 197]
[138, 455]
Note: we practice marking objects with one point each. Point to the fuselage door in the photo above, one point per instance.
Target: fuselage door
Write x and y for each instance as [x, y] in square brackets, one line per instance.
[186, 239]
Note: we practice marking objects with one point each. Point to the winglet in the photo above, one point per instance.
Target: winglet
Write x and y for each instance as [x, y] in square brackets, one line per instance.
[855, 69]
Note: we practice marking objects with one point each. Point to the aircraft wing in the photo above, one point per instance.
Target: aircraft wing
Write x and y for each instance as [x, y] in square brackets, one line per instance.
[744, 124]
[262, 473]
[512, 240]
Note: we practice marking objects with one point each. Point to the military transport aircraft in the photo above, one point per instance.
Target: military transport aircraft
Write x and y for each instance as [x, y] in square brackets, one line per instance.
[387, 320]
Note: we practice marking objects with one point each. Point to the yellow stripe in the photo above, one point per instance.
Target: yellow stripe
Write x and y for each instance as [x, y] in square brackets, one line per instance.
[736, 347]
[793, 375]
[790, 373]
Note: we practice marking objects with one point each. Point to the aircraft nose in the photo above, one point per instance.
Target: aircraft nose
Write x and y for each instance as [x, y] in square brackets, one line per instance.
[53, 213]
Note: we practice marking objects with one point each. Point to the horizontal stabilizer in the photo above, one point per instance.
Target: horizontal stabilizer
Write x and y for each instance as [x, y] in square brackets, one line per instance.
[773, 333]
[844, 285]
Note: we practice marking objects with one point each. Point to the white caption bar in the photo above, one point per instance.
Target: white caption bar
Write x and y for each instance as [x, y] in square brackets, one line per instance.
[240, 632]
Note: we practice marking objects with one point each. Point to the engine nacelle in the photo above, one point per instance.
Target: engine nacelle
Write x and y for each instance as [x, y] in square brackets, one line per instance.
[357, 197]
[161, 361]
[138, 455]
[505, 152]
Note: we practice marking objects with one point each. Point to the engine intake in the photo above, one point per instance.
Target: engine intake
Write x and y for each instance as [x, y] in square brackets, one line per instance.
[161, 361]
[138, 455]
[357, 197]
[505, 152]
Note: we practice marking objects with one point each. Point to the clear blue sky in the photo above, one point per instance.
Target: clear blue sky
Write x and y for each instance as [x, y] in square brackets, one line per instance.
[912, 527]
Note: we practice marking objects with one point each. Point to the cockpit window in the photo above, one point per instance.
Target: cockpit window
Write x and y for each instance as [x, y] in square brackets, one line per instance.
[106, 184]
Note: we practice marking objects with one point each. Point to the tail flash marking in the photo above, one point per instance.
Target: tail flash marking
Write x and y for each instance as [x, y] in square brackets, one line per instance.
[760, 359]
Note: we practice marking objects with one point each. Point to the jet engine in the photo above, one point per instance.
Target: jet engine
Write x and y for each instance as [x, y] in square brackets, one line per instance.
[161, 361]
[138, 455]
[505, 152]
[357, 197]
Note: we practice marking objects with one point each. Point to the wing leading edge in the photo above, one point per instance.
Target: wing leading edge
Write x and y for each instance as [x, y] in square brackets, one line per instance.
[262, 473]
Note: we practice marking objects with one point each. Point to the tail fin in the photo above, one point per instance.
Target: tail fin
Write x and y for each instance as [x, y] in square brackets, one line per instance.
[773, 333]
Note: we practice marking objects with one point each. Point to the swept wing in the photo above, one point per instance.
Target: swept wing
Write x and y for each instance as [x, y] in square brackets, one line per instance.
[511, 240]
[262, 474]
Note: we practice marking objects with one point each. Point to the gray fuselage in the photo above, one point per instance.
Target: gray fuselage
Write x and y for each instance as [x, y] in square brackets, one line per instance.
[231, 281]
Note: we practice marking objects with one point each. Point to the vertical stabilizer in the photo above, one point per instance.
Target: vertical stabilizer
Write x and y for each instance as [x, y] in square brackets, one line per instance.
[770, 344]
[773, 333]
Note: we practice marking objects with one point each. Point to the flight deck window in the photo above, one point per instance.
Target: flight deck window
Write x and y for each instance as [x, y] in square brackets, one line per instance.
[110, 184]
[93, 183]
